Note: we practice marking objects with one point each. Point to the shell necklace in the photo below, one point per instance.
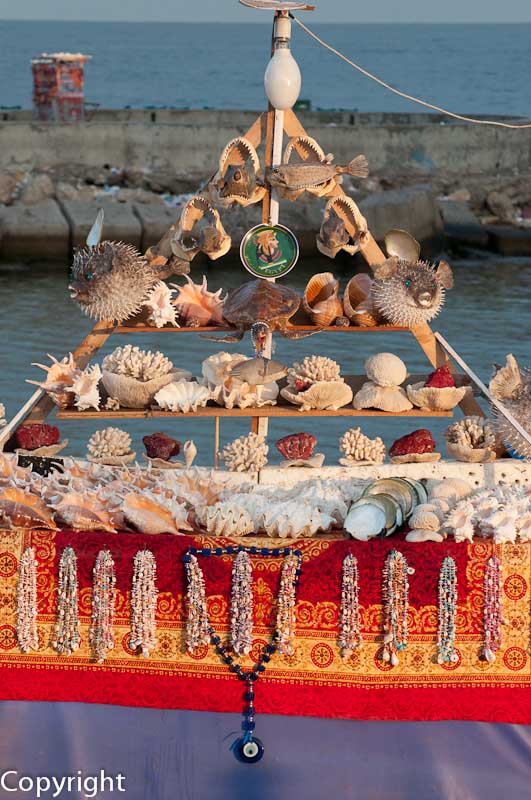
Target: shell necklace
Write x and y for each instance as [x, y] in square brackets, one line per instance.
[199, 631]
[395, 591]
[447, 612]
[350, 637]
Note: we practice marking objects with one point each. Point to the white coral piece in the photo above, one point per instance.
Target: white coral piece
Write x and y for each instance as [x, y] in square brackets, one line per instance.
[161, 310]
[385, 369]
[473, 439]
[246, 454]
[184, 396]
[85, 388]
[136, 363]
[359, 449]
[109, 443]
[322, 395]
[314, 369]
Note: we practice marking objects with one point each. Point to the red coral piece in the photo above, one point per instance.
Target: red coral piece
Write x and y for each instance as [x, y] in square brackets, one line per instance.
[420, 441]
[35, 435]
[159, 445]
[301, 385]
[297, 446]
[442, 378]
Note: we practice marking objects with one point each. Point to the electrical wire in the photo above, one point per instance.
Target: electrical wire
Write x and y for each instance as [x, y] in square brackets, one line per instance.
[404, 94]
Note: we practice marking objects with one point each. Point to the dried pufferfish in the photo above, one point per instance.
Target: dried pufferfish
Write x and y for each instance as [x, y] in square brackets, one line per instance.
[512, 385]
[111, 280]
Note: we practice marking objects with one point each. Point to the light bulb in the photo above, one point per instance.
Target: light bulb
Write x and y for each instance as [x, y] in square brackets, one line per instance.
[282, 80]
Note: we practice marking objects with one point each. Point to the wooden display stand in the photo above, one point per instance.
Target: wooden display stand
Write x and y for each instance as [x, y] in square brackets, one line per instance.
[38, 408]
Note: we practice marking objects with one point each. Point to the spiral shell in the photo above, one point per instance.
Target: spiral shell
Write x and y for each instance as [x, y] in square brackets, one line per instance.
[358, 304]
[321, 299]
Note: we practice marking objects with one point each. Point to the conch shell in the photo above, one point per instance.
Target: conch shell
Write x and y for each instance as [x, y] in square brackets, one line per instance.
[196, 306]
[200, 231]
[85, 388]
[19, 509]
[321, 301]
[152, 515]
[59, 380]
[358, 304]
[161, 310]
[343, 227]
[83, 512]
[323, 395]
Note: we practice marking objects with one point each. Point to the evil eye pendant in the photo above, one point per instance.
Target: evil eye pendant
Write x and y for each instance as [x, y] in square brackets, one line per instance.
[248, 751]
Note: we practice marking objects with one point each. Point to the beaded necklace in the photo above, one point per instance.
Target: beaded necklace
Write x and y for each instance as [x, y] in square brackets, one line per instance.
[27, 602]
[67, 638]
[144, 603]
[395, 591]
[101, 634]
[492, 611]
[199, 630]
[350, 637]
[447, 612]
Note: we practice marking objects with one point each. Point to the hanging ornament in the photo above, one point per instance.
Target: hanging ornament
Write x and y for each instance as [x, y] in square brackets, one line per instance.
[350, 637]
[492, 610]
[101, 634]
[447, 612]
[27, 602]
[247, 748]
[67, 638]
[395, 592]
[241, 607]
[144, 603]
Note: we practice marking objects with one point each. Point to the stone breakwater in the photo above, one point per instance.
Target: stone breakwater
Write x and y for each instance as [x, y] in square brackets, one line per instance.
[426, 176]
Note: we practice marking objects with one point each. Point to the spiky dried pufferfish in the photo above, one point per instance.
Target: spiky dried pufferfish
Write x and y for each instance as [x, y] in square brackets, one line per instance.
[511, 385]
[406, 291]
[111, 280]
[260, 307]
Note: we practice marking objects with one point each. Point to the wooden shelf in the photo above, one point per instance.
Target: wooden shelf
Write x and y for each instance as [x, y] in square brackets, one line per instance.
[282, 409]
[300, 322]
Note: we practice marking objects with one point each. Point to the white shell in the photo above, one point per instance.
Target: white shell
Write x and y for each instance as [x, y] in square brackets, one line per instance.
[161, 310]
[226, 519]
[243, 395]
[365, 521]
[85, 388]
[216, 368]
[434, 399]
[184, 396]
[392, 399]
[323, 395]
[132, 393]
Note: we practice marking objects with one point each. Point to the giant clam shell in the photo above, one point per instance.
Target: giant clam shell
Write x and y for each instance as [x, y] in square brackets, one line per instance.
[132, 393]
[365, 520]
[184, 396]
[321, 299]
[355, 224]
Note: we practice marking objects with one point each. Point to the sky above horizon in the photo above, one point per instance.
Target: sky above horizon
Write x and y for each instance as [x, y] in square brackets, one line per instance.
[230, 11]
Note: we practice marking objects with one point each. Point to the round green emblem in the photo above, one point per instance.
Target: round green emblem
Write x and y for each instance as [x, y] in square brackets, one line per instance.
[269, 251]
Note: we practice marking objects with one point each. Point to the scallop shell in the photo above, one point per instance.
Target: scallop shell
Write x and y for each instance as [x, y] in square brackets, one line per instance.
[434, 399]
[321, 299]
[132, 393]
[196, 306]
[20, 509]
[152, 515]
[194, 212]
[392, 399]
[183, 396]
[323, 395]
[83, 512]
[355, 225]
[59, 379]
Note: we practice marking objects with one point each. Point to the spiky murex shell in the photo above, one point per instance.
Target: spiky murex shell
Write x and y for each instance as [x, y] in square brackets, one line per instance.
[390, 296]
[521, 411]
[119, 293]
